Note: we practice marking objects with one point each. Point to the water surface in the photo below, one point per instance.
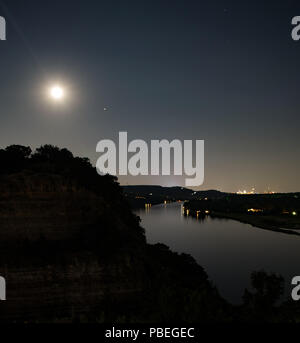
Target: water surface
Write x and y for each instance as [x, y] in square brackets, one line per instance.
[228, 250]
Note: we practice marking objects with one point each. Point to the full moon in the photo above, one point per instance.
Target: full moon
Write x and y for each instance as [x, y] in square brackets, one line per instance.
[57, 92]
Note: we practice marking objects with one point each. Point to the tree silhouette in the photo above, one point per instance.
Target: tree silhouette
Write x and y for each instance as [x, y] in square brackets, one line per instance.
[14, 158]
[268, 289]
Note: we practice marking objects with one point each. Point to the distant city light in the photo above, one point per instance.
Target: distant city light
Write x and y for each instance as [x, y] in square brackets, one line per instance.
[246, 192]
[253, 191]
[255, 210]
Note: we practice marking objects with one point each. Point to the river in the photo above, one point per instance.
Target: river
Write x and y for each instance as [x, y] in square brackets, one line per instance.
[228, 250]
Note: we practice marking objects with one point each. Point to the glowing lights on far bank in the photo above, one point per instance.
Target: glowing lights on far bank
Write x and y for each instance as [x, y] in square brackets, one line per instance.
[255, 210]
[253, 191]
[246, 192]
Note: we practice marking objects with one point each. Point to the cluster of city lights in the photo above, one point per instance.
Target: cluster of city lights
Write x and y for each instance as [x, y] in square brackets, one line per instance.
[253, 191]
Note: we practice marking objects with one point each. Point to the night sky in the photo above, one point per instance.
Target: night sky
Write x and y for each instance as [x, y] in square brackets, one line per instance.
[223, 71]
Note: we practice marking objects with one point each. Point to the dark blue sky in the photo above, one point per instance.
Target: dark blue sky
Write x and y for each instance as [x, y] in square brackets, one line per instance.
[223, 71]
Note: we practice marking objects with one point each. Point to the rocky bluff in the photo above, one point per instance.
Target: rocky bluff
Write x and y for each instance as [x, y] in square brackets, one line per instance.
[72, 250]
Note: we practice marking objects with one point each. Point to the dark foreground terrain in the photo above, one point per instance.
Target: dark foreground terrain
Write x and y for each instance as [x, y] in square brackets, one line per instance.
[71, 250]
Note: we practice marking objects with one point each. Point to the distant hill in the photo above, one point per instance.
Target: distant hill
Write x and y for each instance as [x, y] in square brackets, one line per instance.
[138, 196]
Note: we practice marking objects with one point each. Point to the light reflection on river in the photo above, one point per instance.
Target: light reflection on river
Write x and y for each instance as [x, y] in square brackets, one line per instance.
[228, 250]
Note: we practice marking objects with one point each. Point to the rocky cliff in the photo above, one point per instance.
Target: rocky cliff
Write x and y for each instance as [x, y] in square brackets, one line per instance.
[72, 250]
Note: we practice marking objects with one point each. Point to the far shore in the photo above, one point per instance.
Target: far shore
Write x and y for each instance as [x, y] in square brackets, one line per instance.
[272, 223]
[287, 225]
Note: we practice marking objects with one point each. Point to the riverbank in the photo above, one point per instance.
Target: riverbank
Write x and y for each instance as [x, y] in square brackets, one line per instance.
[275, 212]
[228, 250]
[272, 223]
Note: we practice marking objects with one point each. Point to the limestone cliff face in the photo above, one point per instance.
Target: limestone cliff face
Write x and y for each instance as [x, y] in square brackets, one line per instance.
[50, 270]
[73, 253]
[57, 292]
[45, 206]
